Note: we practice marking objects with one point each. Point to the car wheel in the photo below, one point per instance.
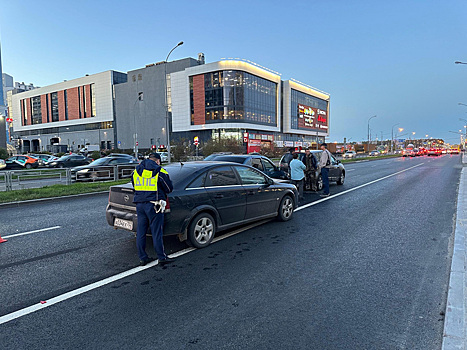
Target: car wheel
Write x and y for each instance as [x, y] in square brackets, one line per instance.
[285, 209]
[28, 166]
[201, 230]
[341, 179]
[319, 184]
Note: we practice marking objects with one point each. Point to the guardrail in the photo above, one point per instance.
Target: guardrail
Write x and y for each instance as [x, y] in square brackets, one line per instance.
[21, 179]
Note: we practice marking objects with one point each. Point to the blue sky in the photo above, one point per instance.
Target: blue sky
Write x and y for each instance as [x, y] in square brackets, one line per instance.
[393, 59]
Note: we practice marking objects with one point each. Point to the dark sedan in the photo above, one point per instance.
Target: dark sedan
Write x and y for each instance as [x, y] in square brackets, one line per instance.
[313, 180]
[209, 197]
[259, 162]
[103, 168]
[69, 161]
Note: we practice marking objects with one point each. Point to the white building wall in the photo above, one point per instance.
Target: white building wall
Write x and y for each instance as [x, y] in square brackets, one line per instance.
[102, 94]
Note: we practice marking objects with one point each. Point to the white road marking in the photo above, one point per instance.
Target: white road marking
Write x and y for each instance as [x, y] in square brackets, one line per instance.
[355, 188]
[39, 306]
[30, 232]
[350, 169]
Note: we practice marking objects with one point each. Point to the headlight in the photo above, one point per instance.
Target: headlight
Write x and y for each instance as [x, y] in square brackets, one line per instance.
[83, 171]
[53, 163]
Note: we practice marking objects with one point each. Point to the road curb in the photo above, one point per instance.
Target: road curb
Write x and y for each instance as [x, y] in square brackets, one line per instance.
[454, 325]
[32, 201]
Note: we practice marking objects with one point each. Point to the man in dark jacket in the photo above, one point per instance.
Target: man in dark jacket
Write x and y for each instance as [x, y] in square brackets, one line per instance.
[151, 184]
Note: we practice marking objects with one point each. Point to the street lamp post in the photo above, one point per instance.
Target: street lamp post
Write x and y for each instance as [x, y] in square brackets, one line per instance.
[392, 136]
[167, 124]
[369, 131]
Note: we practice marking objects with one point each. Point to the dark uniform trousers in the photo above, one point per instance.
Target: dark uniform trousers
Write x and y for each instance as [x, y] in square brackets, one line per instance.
[147, 217]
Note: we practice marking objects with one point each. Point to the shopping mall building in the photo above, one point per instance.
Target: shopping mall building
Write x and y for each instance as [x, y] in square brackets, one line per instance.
[228, 98]
[239, 99]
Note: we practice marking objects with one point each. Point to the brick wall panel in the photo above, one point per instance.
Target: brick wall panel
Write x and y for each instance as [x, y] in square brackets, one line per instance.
[88, 101]
[28, 106]
[73, 103]
[61, 105]
[44, 109]
[199, 100]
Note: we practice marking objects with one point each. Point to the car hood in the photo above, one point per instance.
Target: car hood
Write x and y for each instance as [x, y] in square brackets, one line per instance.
[77, 168]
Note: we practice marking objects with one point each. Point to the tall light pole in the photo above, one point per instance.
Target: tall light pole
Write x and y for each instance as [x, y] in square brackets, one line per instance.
[369, 131]
[392, 136]
[167, 124]
[465, 127]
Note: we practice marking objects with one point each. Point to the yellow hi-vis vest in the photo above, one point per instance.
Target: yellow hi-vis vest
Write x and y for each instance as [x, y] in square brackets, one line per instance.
[146, 182]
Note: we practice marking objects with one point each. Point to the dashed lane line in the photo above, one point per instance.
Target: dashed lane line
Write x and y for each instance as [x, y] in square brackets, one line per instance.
[30, 232]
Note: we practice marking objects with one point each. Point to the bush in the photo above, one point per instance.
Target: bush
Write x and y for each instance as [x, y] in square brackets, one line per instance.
[95, 155]
[3, 153]
[180, 150]
[223, 145]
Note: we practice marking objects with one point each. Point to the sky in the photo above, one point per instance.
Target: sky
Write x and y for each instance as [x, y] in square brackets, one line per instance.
[393, 59]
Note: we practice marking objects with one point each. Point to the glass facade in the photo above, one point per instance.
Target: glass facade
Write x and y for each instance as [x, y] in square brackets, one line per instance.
[298, 97]
[93, 99]
[236, 96]
[36, 113]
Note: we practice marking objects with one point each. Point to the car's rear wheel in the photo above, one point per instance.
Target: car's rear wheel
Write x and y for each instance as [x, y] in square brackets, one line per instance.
[201, 230]
[341, 179]
[285, 209]
[28, 166]
[319, 184]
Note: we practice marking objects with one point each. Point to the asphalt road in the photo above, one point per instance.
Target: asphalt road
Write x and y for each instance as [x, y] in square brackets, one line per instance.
[367, 269]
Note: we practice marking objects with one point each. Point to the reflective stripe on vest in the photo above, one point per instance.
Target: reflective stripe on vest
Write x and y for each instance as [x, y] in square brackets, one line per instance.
[146, 182]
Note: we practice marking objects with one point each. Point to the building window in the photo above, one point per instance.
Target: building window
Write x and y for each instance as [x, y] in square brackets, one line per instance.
[93, 100]
[192, 104]
[54, 102]
[36, 113]
[65, 94]
[85, 105]
[79, 102]
[238, 96]
[47, 105]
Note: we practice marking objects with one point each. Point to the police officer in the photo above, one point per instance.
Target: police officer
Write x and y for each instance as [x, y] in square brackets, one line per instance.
[151, 184]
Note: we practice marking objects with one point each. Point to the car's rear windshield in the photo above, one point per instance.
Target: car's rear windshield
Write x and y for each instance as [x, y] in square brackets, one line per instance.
[230, 159]
[179, 173]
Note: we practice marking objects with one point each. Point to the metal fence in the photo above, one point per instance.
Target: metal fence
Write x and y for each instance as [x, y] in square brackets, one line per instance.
[22, 179]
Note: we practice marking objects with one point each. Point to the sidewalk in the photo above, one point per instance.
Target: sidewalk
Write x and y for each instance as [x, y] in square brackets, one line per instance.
[455, 332]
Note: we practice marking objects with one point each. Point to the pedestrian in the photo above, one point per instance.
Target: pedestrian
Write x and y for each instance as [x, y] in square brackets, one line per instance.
[324, 165]
[151, 184]
[297, 175]
[311, 170]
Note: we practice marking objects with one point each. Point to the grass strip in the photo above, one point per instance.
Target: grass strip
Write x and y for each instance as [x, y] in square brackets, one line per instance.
[57, 191]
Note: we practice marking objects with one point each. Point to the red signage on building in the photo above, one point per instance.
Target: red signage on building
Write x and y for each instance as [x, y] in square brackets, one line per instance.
[312, 118]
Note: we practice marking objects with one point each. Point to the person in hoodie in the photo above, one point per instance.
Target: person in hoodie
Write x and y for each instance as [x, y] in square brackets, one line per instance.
[151, 184]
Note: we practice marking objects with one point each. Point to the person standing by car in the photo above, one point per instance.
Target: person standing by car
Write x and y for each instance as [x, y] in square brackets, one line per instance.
[297, 174]
[324, 165]
[151, 184]
[311, 166]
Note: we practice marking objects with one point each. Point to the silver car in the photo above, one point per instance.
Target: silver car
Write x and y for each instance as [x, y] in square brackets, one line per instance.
[349, 155]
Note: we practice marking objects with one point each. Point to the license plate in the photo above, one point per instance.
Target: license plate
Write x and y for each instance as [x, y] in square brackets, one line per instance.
[126, 224]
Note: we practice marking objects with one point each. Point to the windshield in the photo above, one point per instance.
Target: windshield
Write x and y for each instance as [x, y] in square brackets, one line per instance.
[99, 161]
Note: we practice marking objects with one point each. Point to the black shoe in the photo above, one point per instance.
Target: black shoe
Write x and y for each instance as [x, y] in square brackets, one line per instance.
[166, 261]
[325, 195]
[145, 261]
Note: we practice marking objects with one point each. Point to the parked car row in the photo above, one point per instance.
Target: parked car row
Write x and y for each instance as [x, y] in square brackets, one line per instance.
[103, 168]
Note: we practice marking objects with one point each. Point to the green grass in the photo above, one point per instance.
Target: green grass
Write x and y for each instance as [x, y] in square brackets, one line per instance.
[57, 191]
[370, 158]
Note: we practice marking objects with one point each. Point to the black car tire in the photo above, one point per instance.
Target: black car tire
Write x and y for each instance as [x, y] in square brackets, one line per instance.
[201, 231]
[286, 208]
[341, 179]
[319, 183]
[28, 166]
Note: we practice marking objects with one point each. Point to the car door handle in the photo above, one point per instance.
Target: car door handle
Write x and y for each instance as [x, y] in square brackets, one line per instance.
[219, 195]
[251, 192]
